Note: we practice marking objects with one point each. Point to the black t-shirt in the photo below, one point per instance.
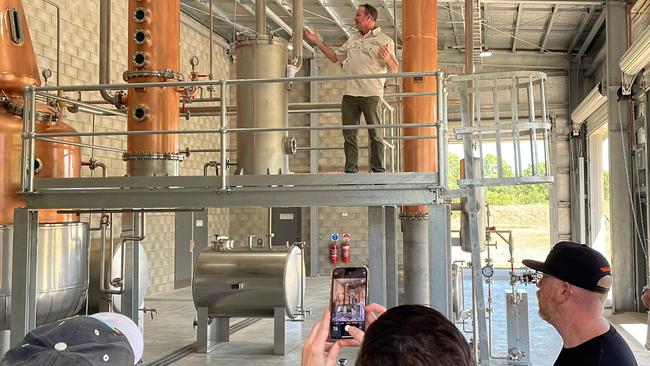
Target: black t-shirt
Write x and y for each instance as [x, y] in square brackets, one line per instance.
[608, 349]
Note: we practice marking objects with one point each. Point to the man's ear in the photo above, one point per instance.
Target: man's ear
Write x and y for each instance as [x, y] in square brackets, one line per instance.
[564, 292]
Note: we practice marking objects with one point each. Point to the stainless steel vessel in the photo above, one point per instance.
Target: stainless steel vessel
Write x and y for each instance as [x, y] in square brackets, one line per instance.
[262, 105]
[249, 283]
[62, 271]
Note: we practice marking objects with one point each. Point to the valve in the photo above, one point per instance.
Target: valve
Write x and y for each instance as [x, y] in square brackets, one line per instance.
[151, 311]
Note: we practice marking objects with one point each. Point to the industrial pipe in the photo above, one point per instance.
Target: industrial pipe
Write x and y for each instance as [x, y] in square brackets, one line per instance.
[260, 17]
[105, 50]
[297, 10]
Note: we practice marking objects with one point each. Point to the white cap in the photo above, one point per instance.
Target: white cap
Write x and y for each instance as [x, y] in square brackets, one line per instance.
[127, 327]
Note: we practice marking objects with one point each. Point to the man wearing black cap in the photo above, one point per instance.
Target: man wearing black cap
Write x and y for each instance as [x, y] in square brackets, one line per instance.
[572, 294]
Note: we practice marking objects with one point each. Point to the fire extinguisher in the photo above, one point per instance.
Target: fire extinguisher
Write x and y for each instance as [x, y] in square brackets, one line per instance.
[345, 252]
[334, 253]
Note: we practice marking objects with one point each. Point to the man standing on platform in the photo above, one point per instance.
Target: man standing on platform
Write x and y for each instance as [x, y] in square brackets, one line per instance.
[368, 51]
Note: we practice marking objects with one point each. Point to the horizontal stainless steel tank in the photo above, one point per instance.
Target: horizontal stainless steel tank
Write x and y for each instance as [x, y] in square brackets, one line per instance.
[61, 274]
[262, 105]
[242, 283]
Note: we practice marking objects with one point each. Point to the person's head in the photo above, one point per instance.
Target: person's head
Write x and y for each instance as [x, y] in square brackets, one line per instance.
[80, 340]
[574, 278]
[365, 18]
[413, 335]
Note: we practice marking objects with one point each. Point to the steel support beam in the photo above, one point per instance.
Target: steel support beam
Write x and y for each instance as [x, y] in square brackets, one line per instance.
[392, 263]
[440, 259]
[584, 19]
[592, 34]
[23, 272]
[622, 228]
[454, 20]
[377, 259]
[520, 8]
[548, 27]
[391, 18]
[314, 155]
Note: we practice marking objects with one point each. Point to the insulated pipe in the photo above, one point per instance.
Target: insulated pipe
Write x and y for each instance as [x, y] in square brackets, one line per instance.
[260, 17]
[105, 49]
[297, 9]
[420, 28]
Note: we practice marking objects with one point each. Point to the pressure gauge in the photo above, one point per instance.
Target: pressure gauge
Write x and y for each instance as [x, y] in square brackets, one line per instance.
[488, 271]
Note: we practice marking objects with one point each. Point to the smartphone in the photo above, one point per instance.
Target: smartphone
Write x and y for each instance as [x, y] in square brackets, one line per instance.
[348, 300]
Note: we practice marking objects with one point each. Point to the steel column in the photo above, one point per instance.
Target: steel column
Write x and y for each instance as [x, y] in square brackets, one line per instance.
[376, 261]
[474, 232]
[23, 280]
[440, 259]
[132, 227]
[314, 156]
[392, 263]
[621, 208]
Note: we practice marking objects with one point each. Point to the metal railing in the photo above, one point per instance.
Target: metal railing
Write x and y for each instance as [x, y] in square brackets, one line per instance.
[33, 93]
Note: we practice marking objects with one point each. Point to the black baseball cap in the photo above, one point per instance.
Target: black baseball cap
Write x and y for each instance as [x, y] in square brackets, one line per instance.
[576, 264]
[80, 340]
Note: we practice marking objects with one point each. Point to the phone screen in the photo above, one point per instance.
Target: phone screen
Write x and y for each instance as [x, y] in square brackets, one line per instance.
[348, 300]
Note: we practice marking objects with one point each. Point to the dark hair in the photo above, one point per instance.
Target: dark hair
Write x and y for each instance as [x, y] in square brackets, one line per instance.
[370, 10]
[413, 335]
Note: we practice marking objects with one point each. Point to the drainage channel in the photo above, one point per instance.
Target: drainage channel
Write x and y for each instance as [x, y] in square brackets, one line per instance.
[185, 351]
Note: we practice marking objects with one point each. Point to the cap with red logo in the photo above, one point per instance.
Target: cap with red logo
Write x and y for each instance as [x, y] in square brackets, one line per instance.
[576, 264]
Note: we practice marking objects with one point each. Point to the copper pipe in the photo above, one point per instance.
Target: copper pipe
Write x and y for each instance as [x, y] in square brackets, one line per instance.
[420, 54]
[154, 46]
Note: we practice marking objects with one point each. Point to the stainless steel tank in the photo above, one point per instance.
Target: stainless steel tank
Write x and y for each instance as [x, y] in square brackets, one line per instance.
[262, 105]
[249, 283]
[61, 273]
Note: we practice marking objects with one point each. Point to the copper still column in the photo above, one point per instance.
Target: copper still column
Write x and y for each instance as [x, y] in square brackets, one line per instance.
[154, 56]
[420, 24]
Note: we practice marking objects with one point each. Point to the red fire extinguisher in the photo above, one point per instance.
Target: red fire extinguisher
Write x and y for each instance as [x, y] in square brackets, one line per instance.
[334, 253]
[345, 252]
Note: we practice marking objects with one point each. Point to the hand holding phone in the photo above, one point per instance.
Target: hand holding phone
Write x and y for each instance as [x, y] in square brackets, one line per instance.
[348, 300]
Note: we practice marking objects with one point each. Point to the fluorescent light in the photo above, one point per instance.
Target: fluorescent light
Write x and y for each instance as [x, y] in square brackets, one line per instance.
[486, 53]
[637, 56]
[590, 104]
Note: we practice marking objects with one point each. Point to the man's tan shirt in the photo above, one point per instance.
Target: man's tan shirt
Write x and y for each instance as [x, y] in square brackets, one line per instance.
[360, 55]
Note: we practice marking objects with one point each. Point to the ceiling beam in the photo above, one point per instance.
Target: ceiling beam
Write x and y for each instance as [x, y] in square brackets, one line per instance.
[547, 30]
[391, 18]
[584, 19]
[537, 2]
[453, 18]
[335, 18]
[592, 33]
[520, 10]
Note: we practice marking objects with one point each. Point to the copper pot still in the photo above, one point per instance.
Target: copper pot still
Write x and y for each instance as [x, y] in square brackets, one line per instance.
[18, 70]
[154, 56]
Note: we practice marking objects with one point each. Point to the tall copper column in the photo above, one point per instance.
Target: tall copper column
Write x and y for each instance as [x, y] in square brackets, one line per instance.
[18, 70]
[420, 34]
[154, 56]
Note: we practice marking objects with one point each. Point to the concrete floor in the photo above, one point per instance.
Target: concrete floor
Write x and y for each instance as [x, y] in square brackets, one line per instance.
[170, 336]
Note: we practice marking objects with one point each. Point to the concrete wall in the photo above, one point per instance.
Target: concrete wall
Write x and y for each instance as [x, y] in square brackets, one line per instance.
[79, 65]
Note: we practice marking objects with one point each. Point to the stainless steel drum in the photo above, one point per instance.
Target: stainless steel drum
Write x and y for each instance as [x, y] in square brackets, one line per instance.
[61, 273]
[249, 283]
